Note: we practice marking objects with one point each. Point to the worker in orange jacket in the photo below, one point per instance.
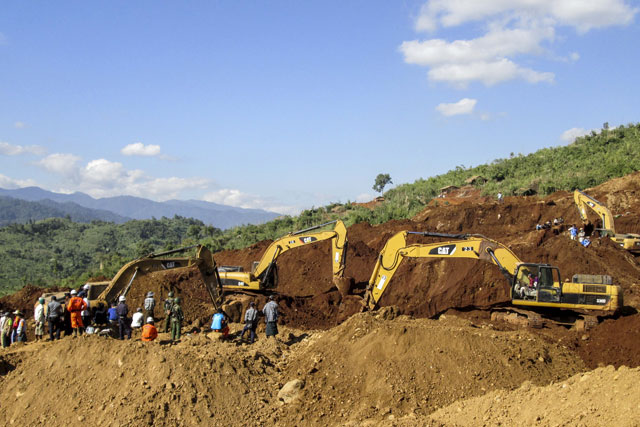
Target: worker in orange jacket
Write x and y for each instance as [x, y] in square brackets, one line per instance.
[75, 307]
[149, 331]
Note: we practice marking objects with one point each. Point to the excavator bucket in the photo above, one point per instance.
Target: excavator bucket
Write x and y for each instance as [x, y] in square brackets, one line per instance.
[344, 285]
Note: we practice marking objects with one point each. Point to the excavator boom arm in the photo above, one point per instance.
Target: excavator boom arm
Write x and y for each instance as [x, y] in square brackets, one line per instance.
[583, 201]
[474, 247]
[305, 237]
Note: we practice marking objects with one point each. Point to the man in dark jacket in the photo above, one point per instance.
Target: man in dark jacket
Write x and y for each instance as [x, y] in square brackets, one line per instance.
[55, 315]
[270, 311]
[123, 321]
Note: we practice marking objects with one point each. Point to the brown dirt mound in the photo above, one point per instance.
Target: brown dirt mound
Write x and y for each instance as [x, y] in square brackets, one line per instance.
[25, 299]
[368, 368]
[613, 342]
[601, 397]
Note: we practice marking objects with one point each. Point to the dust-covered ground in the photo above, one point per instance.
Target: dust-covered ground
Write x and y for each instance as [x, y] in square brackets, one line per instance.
[430, 356]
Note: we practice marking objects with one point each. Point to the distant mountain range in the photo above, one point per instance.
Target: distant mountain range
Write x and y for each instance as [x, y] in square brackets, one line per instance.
[83, 208]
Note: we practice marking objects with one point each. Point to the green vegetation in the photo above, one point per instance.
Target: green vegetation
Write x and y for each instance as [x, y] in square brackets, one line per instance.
[60, 252]
[381, 181]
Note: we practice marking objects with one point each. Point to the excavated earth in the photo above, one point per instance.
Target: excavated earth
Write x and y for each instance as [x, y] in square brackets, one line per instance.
[430, 356]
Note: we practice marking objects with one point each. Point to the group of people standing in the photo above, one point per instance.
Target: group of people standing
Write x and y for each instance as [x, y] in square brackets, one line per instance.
[73, 315]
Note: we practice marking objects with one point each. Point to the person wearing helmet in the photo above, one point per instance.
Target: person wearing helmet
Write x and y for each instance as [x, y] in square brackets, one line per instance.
[149, 331]
[168, 303]
[137, 319]
[176, 320]
[75, 306]
[38, 315]
[149, 305]
[19, 328]
[124, 323]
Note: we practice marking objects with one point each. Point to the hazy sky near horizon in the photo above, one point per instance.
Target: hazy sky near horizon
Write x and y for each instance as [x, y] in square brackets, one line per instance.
[286, 105]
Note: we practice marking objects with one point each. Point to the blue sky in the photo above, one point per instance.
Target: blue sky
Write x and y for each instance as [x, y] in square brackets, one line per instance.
[286, 105]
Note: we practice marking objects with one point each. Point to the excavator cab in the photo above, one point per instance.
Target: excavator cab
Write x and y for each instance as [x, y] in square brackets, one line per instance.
[536, 282]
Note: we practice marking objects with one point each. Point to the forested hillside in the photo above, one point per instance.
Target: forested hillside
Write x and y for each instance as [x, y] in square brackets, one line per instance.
[14, 210]
[60, 251]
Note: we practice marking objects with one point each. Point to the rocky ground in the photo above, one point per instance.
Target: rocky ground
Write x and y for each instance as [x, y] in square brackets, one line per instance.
[430, 356]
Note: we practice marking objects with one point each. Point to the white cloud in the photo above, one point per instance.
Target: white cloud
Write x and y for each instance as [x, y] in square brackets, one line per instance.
[570, 135]
[513, 28]
[464, 106]
[60, 163]
[139, 149]
[237, 198]
[20, 125]
[15, 150]
[583, 15]
[10, 183]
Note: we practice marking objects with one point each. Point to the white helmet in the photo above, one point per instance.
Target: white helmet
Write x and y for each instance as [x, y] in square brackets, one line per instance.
[74, 292]
[86, 287]
[149, 319]
[122, 298]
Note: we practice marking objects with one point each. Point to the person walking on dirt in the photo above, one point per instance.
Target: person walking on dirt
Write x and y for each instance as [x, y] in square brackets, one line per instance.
[55, 312]
[38, 315]
[168, 304]
[220, 323]
[6, 327]
[573, 232]
[270, 311]
[123, 321]
[66, 315]
[75, 307]
[250, 322]
[176, 320]
[500, 197]
[149, 331]
[149, 305]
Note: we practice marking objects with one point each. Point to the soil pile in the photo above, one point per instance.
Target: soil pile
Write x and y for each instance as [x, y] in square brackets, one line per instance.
[26, 298]
[369, 368]
[601, 397]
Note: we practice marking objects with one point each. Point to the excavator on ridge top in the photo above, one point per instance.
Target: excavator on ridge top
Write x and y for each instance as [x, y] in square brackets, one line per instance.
[630, 242]
[264, 274]
[533, 286]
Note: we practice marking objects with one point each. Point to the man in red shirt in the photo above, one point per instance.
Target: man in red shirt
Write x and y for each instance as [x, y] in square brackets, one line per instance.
[75, 307]
[149, 332]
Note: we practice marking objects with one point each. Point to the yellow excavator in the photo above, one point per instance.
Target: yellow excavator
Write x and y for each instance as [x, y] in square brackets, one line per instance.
[264, 274]
[533, 286]
[630, 242]
[124, 278]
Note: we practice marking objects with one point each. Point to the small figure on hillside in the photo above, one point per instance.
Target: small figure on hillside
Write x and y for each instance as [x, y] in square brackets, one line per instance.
[177, 316]
[136, 319]
[270, 311]
[6, 327]
[168, 303]
[149, 331]
[123, 321]
[586, 242]
[220, 323]
[19, 328]
[573, 232]
[581, 235]
[55, 315]
[250, 322]
[75, 306]
[538, 227]
[149, 305]
[500, 197]
[66, 320]
[38, 316]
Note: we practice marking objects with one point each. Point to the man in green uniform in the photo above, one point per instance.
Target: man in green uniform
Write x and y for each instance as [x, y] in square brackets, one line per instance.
[176, 320]
[168, 303]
